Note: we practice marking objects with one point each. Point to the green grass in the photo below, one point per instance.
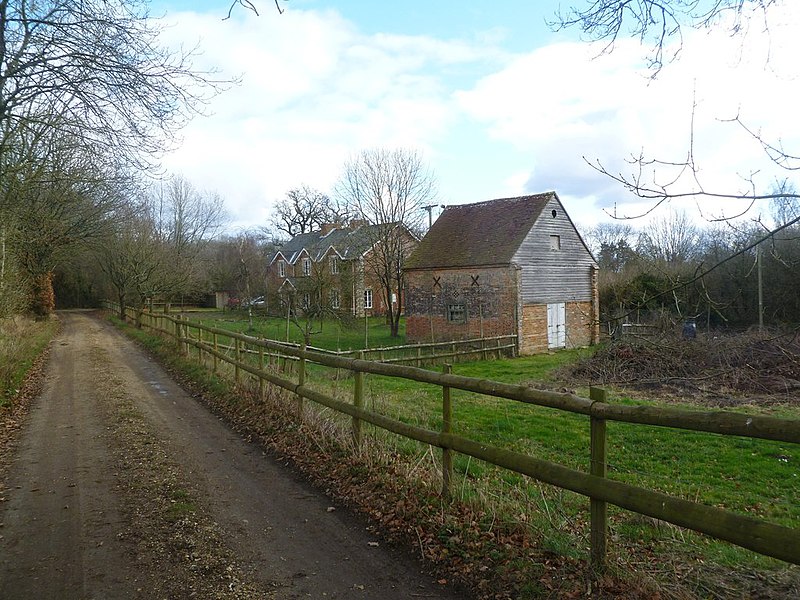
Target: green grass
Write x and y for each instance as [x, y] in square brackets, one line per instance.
[330, 334]
[22, 340]
[759, 478]
[181, 505]
[755, 477]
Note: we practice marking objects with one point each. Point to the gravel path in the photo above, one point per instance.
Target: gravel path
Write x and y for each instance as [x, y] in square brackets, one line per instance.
[123, 486]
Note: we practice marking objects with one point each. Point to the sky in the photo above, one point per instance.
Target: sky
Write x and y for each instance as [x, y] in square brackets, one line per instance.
[497, 103]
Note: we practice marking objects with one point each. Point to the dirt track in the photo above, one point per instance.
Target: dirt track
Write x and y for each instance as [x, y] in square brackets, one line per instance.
[123, 486]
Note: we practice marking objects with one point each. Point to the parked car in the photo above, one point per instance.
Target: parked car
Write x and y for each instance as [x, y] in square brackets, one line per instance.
[257, 302]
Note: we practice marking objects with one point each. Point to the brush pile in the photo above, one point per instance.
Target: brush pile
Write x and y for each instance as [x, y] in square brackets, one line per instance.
[726, 366]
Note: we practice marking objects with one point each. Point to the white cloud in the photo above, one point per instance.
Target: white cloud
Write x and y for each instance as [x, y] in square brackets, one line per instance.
[313, 91]
[564, 102]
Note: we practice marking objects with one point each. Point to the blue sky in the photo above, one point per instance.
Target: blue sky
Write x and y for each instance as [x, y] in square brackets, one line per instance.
[498, 103]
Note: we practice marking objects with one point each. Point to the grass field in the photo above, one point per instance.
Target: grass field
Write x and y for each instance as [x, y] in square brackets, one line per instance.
[331, 335]
[754, 477]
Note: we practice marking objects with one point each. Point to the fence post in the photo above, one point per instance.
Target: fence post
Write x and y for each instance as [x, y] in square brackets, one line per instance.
[358, 402]
[181, 332]
[236, 371]
[301, 380]
[216, 349]
[200, 343]
[447, 427]
[598, 509]
[261, 386]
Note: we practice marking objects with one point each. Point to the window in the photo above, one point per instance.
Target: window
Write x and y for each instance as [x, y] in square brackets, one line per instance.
[281, 268]
[555, 242]
[306, 301]
[335, 299]
[456, 313]
[306, 267]
[333, 265]
[367, 298]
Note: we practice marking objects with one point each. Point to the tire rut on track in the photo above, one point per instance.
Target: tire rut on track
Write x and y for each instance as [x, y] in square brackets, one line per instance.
[123, 486]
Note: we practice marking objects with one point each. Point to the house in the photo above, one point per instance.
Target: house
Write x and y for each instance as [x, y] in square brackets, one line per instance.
[338, 267]
[513, 266]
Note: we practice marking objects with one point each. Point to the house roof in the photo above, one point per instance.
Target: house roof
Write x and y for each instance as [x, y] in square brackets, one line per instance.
[486, 233]
[347, 243]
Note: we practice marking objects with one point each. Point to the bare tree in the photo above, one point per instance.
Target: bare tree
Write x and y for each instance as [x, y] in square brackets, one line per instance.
[786, 204]
[184, 221]
[658, 23]
[672, 240]
[50, 205]
[86, 95]
[94, 69]
[251, 6]
[156, 241]
[304, 209]
[314, 299]
[387, 189]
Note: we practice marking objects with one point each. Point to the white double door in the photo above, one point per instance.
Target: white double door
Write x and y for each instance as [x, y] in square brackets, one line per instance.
[557, 325]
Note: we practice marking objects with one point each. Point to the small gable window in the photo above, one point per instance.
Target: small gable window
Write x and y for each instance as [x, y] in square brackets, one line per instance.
[333, 264]
[555, 242]
[306, 267]
[456, 313]
[281, 268]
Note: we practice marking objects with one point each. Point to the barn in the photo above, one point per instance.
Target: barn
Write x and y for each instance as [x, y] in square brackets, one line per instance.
[512, 266]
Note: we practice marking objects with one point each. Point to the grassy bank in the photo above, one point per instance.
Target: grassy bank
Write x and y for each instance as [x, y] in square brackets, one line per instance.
[22, 340]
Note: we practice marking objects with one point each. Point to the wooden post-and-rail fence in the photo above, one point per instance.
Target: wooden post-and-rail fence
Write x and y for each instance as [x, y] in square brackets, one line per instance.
[748, 532]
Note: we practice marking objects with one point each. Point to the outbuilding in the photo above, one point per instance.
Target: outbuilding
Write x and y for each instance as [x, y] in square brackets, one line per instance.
[512, 266]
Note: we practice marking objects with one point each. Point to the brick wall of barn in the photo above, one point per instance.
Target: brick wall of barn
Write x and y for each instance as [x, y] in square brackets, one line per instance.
[488, 297]
[580, 326]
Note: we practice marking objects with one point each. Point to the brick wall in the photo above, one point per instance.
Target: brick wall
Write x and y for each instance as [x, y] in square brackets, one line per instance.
[488, 295]
[533, 338]
[580, 326]
[490, 298]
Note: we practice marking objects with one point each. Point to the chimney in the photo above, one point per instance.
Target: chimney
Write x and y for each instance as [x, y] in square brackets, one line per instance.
[326, 228]
[356, 223]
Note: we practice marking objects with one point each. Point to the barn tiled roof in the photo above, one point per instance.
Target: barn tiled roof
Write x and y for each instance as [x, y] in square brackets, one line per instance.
[486, 233]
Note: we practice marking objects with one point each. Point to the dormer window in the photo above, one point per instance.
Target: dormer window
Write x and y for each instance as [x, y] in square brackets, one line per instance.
[306, 267]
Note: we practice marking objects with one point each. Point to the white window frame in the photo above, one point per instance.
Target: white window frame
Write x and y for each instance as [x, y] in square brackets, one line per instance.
[306, 301]
[335, 299]
[306, 267]
[367, 298]
[281, 268]
[333, 264]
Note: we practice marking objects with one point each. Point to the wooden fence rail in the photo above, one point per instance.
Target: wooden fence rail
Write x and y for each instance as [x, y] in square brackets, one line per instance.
[755, 534]
[416, 354]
